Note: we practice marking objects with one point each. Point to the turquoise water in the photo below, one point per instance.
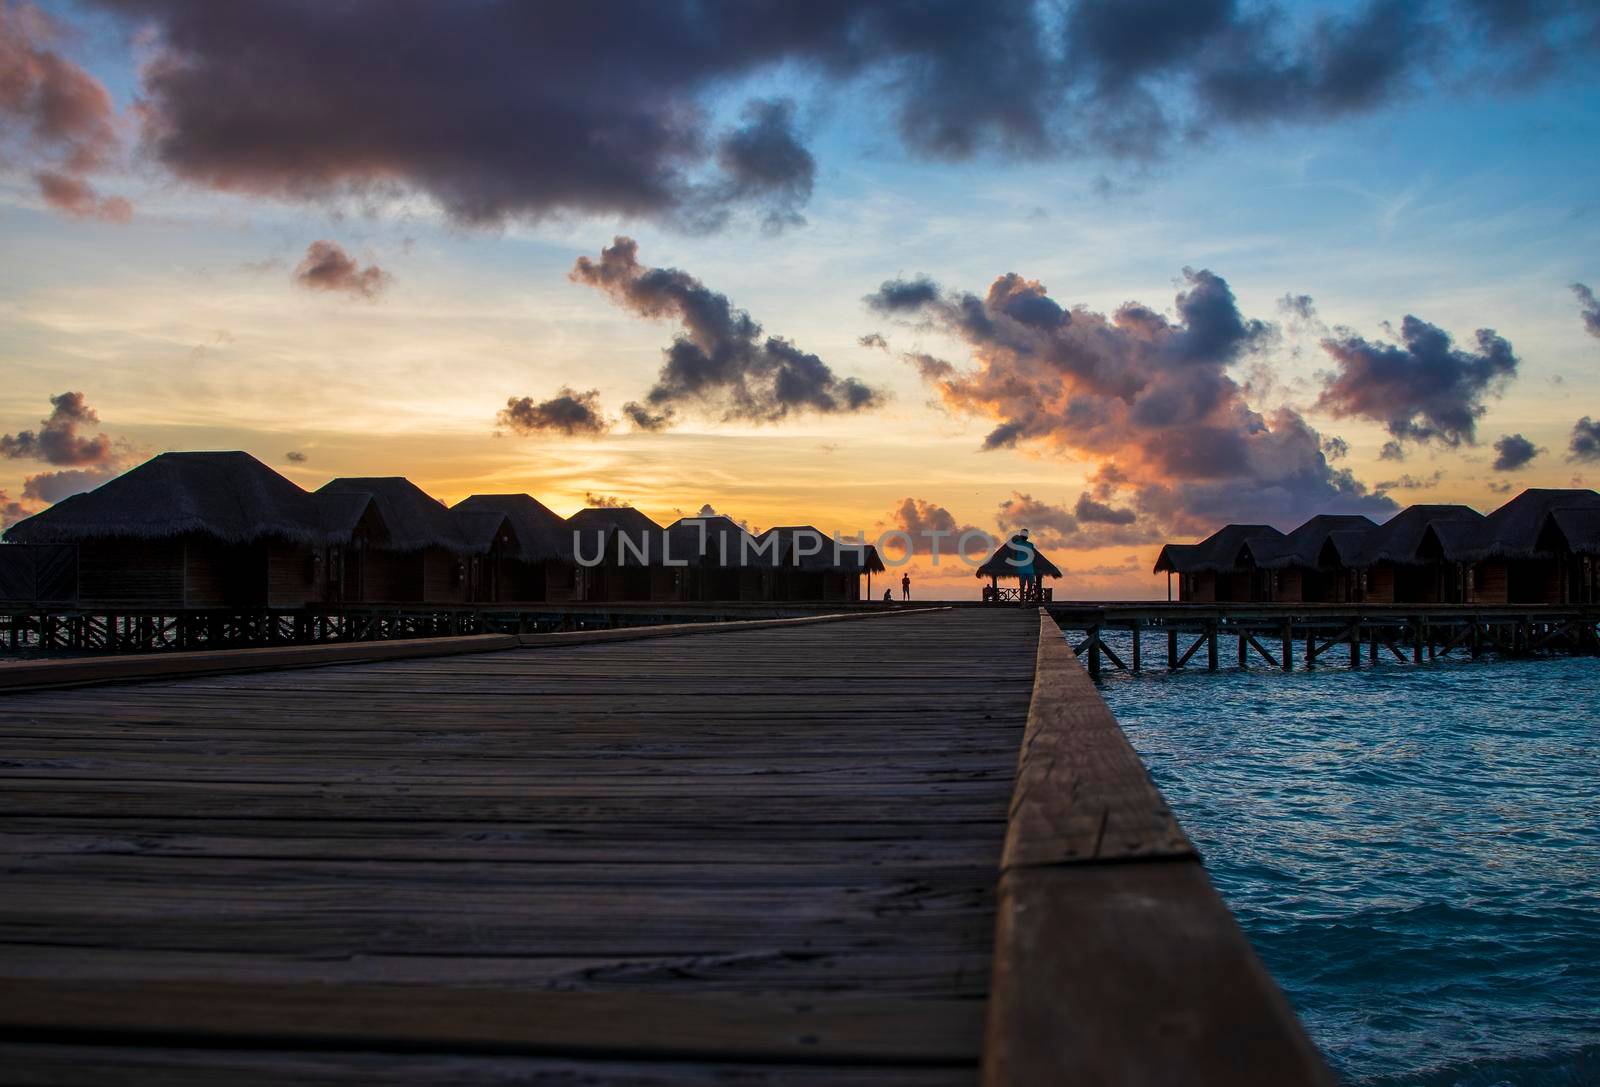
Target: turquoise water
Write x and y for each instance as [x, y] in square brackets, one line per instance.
[1414, 852]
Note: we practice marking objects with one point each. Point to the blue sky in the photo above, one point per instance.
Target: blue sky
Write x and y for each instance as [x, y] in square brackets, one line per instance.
[1465, 202]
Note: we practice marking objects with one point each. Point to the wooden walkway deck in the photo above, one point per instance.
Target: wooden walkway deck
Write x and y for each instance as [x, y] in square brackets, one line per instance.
[765, 856]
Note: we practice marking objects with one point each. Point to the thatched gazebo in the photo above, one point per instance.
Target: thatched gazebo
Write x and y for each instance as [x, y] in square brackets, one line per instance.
[541, 567]
[1005, 562]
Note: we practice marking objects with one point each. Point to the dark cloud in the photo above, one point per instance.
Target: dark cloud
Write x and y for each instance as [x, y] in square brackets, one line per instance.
[12, 511]
[721, 362]
[1512, 452]
[1088, 525]
[58, 441]
[1585, 444]
[1148, 394]
[294, 456]
[765, 164]
[873, 339]
[76, 197]
[55, 115]
[934, 529]
[1589, 307]
[603, 501]
[327, 267]
[499, 109]
[1423, 389]
[930, 367]
[1298, 305]
[1412, 483]
[569, 412]
[54, 486]
[84, 461]
[1335, 448]
[1089, 510]
[903, 295]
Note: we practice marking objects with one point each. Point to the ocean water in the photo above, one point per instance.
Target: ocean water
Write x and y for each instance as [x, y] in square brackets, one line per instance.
[1414, 852]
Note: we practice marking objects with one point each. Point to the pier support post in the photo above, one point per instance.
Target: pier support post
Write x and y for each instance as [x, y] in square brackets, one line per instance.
[1244, 662]
[1172, 649]
[1288, 647]
[1133, 630]
[1211, 646]
[1355, 646]
[1094, 652]
[1311, 647]
[1372, 645]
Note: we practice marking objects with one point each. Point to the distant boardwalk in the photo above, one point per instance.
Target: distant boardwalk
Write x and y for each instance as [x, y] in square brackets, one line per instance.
[799, 827]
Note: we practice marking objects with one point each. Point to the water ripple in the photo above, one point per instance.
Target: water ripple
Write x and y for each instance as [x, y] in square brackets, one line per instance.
[1414, 851]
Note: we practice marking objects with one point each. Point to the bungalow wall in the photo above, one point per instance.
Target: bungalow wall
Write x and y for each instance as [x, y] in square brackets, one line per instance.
[1291, 586]
[392, 577]
[1378, 583]
[444, 577]
[1201, 588]
[295, 575]
[1490, 583]
[1533, 581]
[131, 573]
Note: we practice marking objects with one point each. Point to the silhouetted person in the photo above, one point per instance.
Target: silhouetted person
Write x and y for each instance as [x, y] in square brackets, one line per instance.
[888, 596]
[1028, 579]
[905, 586]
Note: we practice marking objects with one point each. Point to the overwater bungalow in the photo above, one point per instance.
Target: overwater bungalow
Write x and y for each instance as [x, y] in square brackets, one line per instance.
[1210, 571]
[1002, 564]
[1305, 566]
[1395, 564]
[1520, 554]
[541, 567]
[429, 556]
[809, 565]
[206, 530]
[1573, 534]
[722, 559]
[619, 552]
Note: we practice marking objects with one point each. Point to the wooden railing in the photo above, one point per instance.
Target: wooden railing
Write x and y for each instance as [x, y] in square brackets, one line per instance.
[1115, 960]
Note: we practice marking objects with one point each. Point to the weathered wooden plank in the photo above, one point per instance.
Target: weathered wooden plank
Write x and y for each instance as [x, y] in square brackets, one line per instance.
[1081, 794]
[1135, 974]
[39, 1065]
[439, 1019]
[790, 816]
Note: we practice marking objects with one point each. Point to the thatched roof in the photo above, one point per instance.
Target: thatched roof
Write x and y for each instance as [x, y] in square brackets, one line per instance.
[1513, 531]
[541, 533]
[343, 514]
[1399, 539]
[227, 495]
[1000, 563]
[1573, 530]
[596, 530]
[1303, 546]
[1218, 551]
[716, 541]
[484, 529]
[810, 548]
[1341, 548]
[415, 519]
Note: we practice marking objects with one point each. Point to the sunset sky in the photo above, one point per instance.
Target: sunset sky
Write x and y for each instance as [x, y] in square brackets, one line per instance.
[1265, 260]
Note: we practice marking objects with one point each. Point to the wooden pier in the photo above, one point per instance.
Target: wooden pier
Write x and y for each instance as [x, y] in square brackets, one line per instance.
[909, 849]
[1284, 636]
